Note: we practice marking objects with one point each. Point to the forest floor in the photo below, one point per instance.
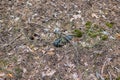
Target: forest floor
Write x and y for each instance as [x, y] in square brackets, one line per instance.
[27, 34]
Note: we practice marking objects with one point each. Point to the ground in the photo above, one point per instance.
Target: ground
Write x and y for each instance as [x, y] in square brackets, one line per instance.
[27, 34]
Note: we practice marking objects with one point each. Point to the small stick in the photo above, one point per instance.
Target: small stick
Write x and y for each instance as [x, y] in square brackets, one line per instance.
[118, 70]
[107, 61]
[110, 75]
[13, 40]
[99, 76]
[74, 48]
[102, 70]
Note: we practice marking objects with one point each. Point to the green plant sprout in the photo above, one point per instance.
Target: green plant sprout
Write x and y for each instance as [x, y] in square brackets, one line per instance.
[77, 33]
[109, 24]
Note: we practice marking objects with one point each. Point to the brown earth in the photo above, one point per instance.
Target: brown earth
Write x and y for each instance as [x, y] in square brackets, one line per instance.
[27, 33]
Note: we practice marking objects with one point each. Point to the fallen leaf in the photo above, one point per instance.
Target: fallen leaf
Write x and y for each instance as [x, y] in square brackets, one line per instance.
[43, 51]
[117, 35]
[10, 75]
[2, 74]
[94, 15]
[51, 51]
[1, 53]
[49, 72]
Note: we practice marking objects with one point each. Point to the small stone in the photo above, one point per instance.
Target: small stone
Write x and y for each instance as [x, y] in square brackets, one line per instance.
[43, 51]
[86, 64]
[11, 53]
[56, 30]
